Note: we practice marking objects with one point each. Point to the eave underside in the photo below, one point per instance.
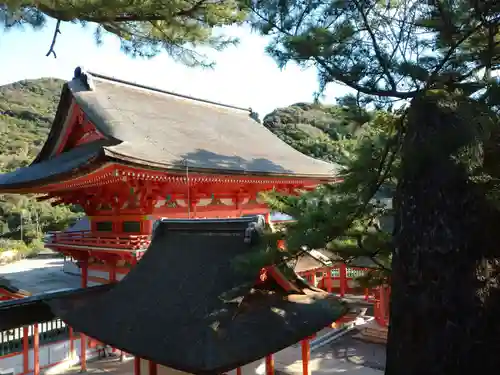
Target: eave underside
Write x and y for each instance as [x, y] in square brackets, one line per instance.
[85, 167]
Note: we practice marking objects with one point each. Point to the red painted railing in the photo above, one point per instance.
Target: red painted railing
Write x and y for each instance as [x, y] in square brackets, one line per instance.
[341, 279]
[105, 240]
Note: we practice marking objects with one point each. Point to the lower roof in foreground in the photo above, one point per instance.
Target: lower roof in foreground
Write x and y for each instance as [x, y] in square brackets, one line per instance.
[187, 305]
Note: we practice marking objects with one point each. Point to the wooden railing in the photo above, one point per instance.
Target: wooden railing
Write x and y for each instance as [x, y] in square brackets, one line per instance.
[105, 240]
[341, 280]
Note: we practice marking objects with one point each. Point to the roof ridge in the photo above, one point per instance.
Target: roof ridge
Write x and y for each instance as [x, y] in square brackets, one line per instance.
[158, 90]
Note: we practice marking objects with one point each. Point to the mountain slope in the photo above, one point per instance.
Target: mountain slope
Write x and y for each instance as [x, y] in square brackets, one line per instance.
[316, 129]
[27, 109]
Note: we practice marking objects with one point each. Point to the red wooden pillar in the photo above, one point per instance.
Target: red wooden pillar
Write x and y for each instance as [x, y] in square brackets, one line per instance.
[147, 226]
[71, 342]
[238, 371]
[269, 365]
[26, 350]
[343, 280]
[306, 353]
[83, 352]
[85, 273]
[112, 273]
[137, 365]
[328, 280]
[83, 338]
[153, 368]
[267, 218]
[313, 278]
[36, 350]
[112, 279]
[383, 306]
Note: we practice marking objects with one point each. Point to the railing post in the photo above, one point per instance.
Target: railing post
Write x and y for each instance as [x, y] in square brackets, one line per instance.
[83, 352]
[306, 352]
[153, 368]
[269, 365]
[71, 343]
[36, 350]
[328, 279]
[26, 350]
[313, 278]
[137, 365]
[343, 280]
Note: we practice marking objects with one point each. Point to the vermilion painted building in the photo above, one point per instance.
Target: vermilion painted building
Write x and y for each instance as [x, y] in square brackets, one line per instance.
[130, 154]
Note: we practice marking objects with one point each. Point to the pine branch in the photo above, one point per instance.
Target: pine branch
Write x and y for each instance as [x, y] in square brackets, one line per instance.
[57, 31]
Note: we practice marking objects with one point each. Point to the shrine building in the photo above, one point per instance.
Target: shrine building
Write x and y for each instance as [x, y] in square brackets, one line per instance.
[130, 154]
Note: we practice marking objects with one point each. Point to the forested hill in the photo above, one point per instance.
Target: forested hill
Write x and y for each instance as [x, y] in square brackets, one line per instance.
[27, 109]
[315, 129]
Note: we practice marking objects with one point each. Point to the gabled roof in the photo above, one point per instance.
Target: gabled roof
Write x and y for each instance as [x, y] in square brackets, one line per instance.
[152, 128]
[187, 306]
[172, 131]
[9, 291]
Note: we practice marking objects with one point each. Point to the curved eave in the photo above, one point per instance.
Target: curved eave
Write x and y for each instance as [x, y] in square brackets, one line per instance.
[38, 177]
[58, 125]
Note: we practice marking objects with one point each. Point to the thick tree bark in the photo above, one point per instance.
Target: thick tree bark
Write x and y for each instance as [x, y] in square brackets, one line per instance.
[445, 318]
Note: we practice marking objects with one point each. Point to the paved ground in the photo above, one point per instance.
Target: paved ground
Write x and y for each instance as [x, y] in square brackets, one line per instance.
[111, 366]
[356, 352]
[39, 275]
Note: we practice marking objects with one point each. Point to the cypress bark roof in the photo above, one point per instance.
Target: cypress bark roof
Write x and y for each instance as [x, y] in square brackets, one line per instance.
[169, 130]
[66, 164]
[186, 306]
[158, 129]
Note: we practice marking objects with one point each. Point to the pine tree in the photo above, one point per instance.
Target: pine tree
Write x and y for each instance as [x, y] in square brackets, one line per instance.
[439, 58]
[350, 219]
[144, 27]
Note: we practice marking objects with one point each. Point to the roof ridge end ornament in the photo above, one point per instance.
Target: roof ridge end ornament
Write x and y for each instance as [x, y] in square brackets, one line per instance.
[254, 230]
[84, 77]
[254, 115]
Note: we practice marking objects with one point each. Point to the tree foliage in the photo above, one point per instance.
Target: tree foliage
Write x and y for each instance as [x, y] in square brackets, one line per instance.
[441, 60]
[352, 219]
[27, 109]
[322, 131]
[144, 27]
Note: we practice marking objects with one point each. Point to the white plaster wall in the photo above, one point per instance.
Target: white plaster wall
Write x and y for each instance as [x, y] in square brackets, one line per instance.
[50, 354]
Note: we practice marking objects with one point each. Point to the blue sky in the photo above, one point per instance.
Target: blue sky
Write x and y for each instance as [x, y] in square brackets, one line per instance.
[244, 75]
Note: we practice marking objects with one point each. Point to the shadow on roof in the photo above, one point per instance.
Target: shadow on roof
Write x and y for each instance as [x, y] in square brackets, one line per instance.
[207, 159]
[186, 306]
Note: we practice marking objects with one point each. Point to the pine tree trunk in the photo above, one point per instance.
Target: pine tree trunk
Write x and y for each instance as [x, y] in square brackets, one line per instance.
[445, 320]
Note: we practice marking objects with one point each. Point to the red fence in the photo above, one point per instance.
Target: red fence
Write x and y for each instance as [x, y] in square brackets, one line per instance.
[341, 280]
[106, 240]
